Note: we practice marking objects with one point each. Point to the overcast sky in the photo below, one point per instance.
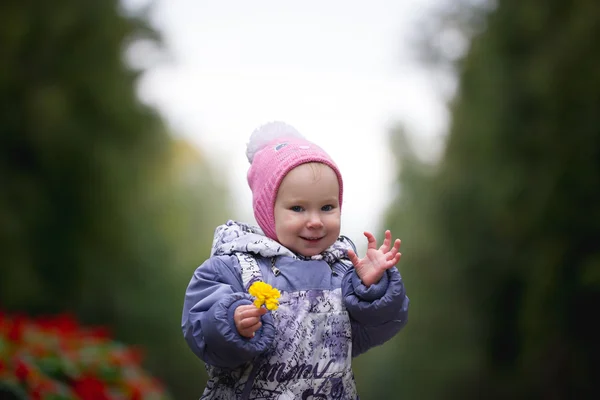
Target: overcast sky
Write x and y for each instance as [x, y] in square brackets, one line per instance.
[341, 72]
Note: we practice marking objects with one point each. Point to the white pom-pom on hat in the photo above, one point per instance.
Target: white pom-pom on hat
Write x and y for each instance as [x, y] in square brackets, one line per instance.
[264, 134]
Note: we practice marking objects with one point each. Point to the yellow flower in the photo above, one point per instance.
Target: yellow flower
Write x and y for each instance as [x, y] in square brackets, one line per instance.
[265, 294]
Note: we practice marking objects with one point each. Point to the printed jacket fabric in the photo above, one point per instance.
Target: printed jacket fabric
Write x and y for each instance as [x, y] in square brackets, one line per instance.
[304, 348]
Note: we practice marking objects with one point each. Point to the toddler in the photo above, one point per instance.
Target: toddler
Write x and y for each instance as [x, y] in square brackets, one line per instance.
[334, 305]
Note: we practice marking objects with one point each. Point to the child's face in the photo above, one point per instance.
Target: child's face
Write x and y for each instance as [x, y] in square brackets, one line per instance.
[307, 209]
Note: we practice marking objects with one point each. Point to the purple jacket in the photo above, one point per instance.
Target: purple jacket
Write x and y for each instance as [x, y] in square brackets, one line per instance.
[376, 313]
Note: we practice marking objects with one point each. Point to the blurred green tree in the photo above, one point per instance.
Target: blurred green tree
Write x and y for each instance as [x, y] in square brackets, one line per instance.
[499, 235]
[435, 349]
[99, 216]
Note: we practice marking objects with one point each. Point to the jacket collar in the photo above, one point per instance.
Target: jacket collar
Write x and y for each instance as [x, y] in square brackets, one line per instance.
[234, 237]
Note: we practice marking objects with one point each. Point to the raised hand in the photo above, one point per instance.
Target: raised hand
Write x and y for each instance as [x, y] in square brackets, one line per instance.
[370, 269]
[247, 319]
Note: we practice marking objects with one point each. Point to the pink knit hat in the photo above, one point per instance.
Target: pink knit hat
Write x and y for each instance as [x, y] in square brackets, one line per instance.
[274, 150]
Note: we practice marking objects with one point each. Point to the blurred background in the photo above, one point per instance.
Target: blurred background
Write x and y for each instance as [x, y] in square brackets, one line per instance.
[470, 128]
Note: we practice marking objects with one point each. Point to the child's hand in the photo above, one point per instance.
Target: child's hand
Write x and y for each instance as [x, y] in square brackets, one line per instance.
[247, 319]
[377, 260]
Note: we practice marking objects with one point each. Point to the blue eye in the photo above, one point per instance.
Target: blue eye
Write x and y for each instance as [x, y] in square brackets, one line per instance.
[328, 207]
[296, 208]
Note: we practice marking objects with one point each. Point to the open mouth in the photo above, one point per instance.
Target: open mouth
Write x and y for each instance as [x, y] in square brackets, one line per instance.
[312, 239]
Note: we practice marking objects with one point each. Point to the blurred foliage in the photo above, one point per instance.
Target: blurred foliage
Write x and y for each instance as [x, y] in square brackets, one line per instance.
[499, 236]
[102, 214]
[53, 357]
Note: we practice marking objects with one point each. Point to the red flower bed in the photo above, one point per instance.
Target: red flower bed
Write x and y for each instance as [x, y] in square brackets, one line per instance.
[54, 358]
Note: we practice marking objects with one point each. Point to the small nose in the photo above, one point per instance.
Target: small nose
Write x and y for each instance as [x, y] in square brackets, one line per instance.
[314, 221]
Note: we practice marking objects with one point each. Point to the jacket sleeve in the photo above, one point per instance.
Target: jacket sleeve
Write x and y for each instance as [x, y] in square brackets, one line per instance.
[378, 312]
[211, 298]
